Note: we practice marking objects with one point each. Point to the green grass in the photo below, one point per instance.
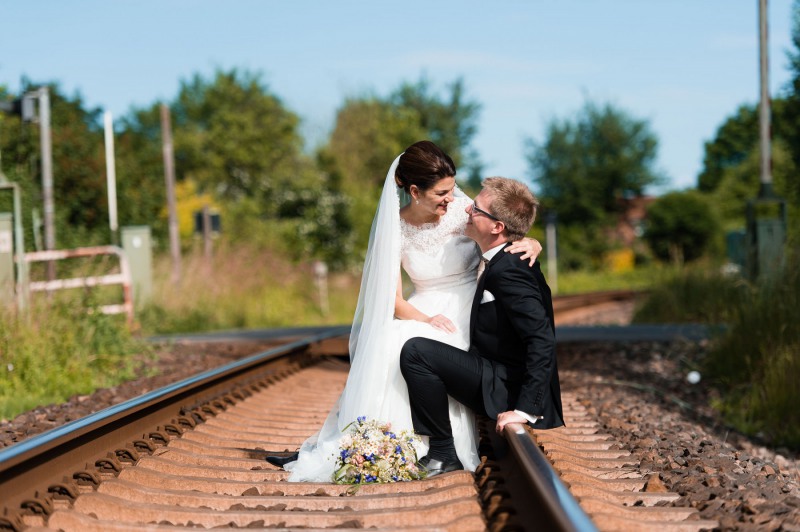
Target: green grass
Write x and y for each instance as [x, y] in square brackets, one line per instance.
[59, 349]
[581, 281]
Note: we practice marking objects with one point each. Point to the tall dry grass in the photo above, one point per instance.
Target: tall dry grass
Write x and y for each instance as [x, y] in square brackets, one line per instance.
[244, 287]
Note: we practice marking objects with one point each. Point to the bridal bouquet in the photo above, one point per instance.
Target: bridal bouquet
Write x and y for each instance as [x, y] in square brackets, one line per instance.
[371, 452]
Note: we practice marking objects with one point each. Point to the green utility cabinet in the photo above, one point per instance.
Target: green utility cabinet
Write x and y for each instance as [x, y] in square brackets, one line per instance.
[766, 235]
[137, 244]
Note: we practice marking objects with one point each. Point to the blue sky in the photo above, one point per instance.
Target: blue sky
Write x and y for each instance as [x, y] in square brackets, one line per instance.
[683, 65]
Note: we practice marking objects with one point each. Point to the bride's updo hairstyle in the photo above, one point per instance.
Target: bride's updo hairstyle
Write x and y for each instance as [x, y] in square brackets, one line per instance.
[423, 164]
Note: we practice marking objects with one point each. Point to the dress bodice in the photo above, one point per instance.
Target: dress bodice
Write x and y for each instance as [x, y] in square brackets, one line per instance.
[438, 255]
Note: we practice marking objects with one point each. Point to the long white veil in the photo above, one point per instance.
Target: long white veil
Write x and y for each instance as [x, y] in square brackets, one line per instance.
[381, 269]
[370, 339]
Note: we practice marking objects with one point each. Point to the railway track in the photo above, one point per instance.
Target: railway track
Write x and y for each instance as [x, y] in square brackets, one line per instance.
[585, 307]
[192, 454]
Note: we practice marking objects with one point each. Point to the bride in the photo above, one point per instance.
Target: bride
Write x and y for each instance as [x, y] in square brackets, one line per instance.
[426, 237]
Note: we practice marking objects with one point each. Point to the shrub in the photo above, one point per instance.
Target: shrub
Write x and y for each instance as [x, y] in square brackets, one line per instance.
[681, 227]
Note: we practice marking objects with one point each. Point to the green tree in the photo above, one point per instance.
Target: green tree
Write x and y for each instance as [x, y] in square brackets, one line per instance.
[367, 136]
[322, 224]
[583, 167]
[234, 137]
[734, 140]
[240, 144]
[741, 183]
[140, 171]
[788, 123]
[79, 185]
[449, 121]
[681, 226]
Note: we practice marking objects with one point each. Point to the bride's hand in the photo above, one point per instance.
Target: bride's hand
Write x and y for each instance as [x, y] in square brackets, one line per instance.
[441, 322]
[528, 247]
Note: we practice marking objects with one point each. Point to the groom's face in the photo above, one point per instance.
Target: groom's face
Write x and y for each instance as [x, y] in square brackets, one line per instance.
[480, 225]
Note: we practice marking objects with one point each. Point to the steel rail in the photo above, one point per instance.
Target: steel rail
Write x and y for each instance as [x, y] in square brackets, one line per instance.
[557, 509]
[27, 469]
[575, 301]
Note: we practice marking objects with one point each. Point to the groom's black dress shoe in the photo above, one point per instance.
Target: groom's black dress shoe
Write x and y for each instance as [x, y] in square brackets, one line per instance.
[437, 467]
[282, 460]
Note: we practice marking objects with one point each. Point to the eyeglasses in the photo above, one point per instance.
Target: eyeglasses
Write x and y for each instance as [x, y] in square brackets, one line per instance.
[489, 215]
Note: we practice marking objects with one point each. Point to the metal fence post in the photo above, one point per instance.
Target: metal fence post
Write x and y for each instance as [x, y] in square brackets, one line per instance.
[6, 259]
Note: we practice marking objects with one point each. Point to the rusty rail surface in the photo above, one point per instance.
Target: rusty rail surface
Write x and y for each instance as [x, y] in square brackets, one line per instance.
[192, 455]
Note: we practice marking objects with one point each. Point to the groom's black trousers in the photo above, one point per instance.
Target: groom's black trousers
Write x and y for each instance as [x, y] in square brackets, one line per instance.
[433, 370]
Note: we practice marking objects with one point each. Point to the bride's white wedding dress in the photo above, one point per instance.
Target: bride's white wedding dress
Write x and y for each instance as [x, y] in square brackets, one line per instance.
[442, 266]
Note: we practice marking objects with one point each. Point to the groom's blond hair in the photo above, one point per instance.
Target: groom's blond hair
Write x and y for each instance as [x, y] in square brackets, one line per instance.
[512, 203]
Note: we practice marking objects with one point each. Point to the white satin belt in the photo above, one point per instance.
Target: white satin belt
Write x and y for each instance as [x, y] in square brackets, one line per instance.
[446, 283]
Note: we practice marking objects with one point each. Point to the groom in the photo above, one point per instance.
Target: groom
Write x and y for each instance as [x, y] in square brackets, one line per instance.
[509, 372]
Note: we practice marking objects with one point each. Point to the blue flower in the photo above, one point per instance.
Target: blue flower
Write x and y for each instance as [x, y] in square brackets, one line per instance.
[398, 450]
[392, 435]
[394, 477]
[344, 453]
[362, 419]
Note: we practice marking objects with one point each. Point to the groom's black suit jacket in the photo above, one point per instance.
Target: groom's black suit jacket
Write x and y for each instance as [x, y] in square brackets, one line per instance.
[515, 337]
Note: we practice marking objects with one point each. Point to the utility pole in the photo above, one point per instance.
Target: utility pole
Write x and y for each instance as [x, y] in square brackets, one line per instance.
[25, 107]
[45, 138]
[764, 114]
[169, 176]
[111, 176]
[766, 214]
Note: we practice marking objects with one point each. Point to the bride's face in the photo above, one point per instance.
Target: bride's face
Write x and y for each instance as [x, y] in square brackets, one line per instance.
[436, 199]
